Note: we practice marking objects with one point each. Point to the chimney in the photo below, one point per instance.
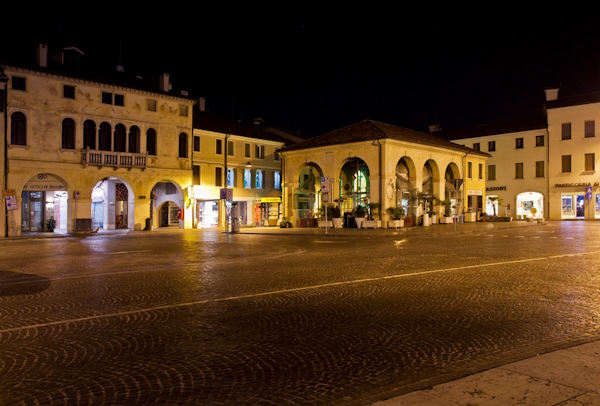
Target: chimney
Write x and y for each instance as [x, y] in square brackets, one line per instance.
[163, 83]
[202, 104]
[435, 128]
[41, 56]
[551, 94]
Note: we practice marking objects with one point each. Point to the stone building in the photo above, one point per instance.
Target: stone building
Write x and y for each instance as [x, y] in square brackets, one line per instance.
[94, 151]
[372, 162]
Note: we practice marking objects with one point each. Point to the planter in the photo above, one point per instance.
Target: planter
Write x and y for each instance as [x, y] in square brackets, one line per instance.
[433, 218]
[446, 220]
[359, 222]
[540, 220]
[338, 222]
[426, 219]
[370, 224]
[395, 223]
[470, 217]
[323, 224]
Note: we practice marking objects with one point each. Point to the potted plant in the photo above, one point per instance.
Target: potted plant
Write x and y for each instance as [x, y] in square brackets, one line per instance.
[533, 211]
[396, 214]
[371, 222]
[359, 216]
[51, 224]
[447, 218]
[329, 223]
[338, 221]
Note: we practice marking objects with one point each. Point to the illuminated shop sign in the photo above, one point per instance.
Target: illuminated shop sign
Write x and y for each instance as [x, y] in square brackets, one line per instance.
[582, 184]
[491, 189]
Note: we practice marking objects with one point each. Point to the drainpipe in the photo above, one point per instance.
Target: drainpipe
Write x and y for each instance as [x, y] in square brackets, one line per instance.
[4, 79]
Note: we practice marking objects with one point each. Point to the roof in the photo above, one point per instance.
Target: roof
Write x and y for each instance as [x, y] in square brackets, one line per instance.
[573, 100]
[369, 130]
[506, 127]
[204, 120]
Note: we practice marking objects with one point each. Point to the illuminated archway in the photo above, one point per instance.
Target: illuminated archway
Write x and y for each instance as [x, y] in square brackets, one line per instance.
[528, 200]
[355, 185]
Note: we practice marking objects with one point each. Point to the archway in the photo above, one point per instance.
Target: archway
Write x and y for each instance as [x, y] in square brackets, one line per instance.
[528, 200]
[166, 207]
[307, 198]
[452, 199]
[406, 190]
[355, 186]
[113, 205]
[44, 204]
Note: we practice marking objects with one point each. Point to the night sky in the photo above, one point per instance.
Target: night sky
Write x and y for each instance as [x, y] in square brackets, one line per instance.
[309, 70]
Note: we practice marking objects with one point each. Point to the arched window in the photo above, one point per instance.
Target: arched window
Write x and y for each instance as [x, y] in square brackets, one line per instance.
[104, 137]
[134, 139]
[120, 138]
[183, 145]
[68, 134]
[89, 134]
[151, 141]
[18, 134]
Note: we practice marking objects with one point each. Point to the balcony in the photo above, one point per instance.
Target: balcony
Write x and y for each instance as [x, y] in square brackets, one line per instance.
[113, 159]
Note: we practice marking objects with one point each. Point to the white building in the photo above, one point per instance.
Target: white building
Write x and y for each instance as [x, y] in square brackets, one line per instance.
[94, 152]
[517, 172]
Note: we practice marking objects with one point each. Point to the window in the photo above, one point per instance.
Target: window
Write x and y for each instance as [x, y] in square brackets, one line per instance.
[218, 176]
[219, 147]
[476, 146]
[68, 92]
[519, 170]
[276, 156]
[277, 180]
[230, 177]
[18, 129]
[259, 152]
[151, 141]
[18, 83]
[106, 98]
[491, 172]
[480, 171]
[183, 145]
[196, 143]
[590, 129]
[89, 134]
[105, 137]
[247, 151]
[134, 139]
[230, 148]
[120, 141]
[539, 140]
[590, 162]
[518, 142]
[566, 131]
[491, 146]
[259, 179]
[119, 100]
[151, 105]
[68, 134]
[566, 163]
[470, 170]
[539, 169]
[247, 178]
[183, 110]
[196, 172]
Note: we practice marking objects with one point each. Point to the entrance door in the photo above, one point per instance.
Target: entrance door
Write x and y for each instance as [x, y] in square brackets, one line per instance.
[36, 214]
[580, 206]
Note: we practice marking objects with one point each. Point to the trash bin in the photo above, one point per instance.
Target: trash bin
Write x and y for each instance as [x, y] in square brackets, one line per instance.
[235, 225]
[148, 225]
[348, 220]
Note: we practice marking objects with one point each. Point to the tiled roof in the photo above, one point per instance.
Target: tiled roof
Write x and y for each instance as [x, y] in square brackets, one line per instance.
[369, 130]
[573, 100]
[204, 120]
[534, 123]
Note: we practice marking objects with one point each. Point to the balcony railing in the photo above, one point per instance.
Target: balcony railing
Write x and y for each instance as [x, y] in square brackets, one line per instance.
[113, 159]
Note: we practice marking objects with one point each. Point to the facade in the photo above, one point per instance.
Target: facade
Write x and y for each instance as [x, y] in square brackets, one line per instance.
[371, 162]
[94, 152]
[230, 155]
[574, 184]
[517, 170]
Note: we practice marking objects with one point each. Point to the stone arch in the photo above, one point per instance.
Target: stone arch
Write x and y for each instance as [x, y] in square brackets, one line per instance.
[167, 198]
[529, 199]
[43, 196]
[355, 184]
[117, 208]
[307, 196]
[405, 185]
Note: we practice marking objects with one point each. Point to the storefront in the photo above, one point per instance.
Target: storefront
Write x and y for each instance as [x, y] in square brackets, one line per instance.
[267, 211]
[43, 198]
[579, 201]
[207, 213]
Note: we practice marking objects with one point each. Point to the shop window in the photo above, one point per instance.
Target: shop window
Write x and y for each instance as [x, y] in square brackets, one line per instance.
[68, 92]
[247, 178]
[183, 145]
[491, 172]
[590, 129]
[277, 180]
[519, 170]
[590, 162]
[539, 169]
[151, 141]
[566, 163]
[539, 140]
[567, 204]
[259, 179]
[18, 129]
[476, 146]
[519, 143]
[491, 146]
[68, 134]
[230, 177]
[566, 131]
[218, 176]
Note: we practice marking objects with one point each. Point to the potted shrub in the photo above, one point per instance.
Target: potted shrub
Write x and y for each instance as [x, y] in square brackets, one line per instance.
[533, 212]
[373, 211]
[338, 221]
[359, 216]
[447, 218]
[396, 214]
[51, 224]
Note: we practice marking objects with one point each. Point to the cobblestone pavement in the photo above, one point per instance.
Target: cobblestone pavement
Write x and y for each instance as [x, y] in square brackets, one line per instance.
[202, 317]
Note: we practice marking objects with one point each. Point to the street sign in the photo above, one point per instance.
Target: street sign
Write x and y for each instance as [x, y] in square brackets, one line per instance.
[458, 183]
[324, 181]
[324, 188]
[226, 194]
[325, 197]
